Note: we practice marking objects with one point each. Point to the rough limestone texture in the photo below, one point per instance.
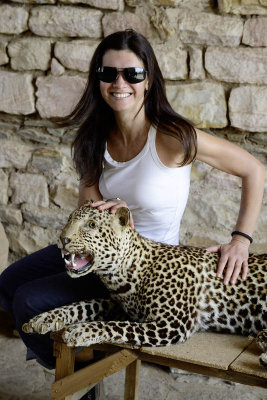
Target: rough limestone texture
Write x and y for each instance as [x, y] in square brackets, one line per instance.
[196, 63]
[57, 96]
[30, 53]
[29, 188]
[47, 161]
[65, 21]
[172, 62]
[242, 65]
[107, 4]
[56, 68]
[4, 246]
[247, 108]
[17, 93]
[203, 103]
[13, 19]
[44, 217]
[14, 154]
[76, 54]
[117, 21]
[30, 238]
[3, 54]
[10, 215]
[255, 32]
[207, 28]
[243, 7]
[3, 187]
[65, 190]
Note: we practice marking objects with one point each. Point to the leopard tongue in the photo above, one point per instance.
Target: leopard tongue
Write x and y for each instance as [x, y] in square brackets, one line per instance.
[77, 262]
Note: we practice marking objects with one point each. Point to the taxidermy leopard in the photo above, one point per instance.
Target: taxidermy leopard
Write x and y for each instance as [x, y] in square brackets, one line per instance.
[167, 292]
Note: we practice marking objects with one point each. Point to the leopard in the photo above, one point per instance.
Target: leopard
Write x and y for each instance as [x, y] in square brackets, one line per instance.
[166, 292]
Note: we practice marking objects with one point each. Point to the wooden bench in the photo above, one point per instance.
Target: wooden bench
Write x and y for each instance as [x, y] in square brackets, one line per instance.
[229, 357]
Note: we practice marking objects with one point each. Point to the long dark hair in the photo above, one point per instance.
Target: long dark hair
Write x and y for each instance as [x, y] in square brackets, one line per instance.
[96, 119]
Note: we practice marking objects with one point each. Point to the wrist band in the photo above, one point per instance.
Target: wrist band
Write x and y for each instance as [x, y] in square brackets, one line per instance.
[242, 234]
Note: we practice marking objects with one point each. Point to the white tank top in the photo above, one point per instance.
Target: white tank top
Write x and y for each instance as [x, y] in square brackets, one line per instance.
[155, 194]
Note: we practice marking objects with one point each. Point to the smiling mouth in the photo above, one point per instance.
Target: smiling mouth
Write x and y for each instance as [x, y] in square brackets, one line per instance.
[77, 263]
[121, 95]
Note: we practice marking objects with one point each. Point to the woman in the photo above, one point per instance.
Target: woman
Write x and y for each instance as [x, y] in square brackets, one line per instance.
[131, 145]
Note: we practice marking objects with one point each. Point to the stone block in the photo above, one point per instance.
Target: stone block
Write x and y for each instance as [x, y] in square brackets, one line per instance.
[211, 29]
[30, 238]
[30, 53]
[172, 61]
[65, 21]
[47, 161]
[247, 108]
[14, 154]
[29, 188]
[117, 21]
[51, 91]
[17, 93]
[56, 68]
[10, 215]
[203, 103]
[76, 54]
[107, 4]
[37, 135]
[44, 217]
[65, 191]
[255, 32]
[243, 7]
[196, 63]
[242, 65]
[3, 187]
[13, 20]
[3, 54]
[38, 2]
[4, 247]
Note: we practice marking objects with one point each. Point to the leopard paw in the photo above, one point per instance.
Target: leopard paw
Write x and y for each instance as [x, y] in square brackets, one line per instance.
[42, 324]
[77, 335]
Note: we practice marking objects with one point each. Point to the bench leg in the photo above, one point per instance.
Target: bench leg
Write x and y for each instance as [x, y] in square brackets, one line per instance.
[132, 380]
[65, 359]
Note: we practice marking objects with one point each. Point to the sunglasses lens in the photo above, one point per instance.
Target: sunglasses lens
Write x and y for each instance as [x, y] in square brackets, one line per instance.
[134, 75]
[107, 74]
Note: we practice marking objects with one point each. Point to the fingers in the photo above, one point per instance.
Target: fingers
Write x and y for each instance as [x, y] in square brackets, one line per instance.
[112, 205]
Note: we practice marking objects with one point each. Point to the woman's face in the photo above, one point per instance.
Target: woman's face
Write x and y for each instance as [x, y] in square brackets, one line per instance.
[121, 95]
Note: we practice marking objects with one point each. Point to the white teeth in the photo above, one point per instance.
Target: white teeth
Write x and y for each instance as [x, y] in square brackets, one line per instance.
[67, 262]
[62, 254]
[73, 260]
[121, 95]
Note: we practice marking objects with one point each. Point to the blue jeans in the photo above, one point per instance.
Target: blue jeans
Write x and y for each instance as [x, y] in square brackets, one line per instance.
[38, 283]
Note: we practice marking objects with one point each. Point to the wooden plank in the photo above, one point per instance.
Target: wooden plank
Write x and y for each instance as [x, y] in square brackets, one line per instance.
[93, 373]
[245, 379]
[210, 349]
[65, 357]
[132, 379]
[248, 362]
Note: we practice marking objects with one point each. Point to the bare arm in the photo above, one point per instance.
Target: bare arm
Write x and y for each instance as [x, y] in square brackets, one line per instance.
[234, 160]
[88, 193]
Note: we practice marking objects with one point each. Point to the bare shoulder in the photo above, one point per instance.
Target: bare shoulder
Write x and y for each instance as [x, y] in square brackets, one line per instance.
[169, 150]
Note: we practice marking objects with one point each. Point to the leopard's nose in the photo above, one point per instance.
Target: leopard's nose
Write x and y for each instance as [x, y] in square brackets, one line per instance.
[64, 240]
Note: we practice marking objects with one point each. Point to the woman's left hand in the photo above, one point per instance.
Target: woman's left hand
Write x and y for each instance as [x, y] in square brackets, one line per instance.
[233, 260]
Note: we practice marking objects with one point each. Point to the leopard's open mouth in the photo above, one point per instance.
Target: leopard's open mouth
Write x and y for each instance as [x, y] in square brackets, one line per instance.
[77, 263]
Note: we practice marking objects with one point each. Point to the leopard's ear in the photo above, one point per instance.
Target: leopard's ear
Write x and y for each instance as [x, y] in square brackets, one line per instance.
[123, 215]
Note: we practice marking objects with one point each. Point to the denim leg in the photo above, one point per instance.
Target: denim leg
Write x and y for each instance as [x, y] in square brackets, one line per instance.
[38, 283]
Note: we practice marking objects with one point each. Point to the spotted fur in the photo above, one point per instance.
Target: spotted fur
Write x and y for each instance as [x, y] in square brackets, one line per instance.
[167, 292]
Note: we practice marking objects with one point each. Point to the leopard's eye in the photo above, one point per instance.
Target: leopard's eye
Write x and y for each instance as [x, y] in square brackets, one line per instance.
[90, 224]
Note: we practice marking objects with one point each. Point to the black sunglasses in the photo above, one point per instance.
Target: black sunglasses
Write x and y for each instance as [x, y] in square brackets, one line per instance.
[130, 74]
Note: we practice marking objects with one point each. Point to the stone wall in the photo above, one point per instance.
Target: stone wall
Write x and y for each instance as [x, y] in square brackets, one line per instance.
[213, 55]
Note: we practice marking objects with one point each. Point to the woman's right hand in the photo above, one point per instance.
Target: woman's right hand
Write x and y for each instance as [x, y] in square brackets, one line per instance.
[112, 205]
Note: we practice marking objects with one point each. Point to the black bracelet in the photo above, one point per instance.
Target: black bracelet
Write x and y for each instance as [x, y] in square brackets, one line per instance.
[242, 234]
